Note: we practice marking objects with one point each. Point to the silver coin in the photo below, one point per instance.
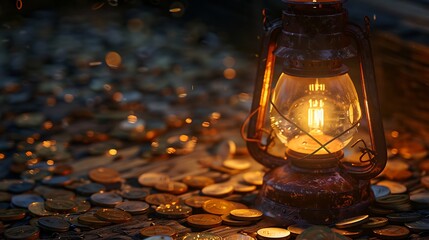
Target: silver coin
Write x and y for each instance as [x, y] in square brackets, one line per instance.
[24, 200]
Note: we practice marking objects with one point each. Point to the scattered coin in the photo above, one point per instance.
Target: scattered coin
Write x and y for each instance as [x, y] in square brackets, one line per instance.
[198, 182]
[54, 224]
[159, 237]
[218, 206]
[238, 236]
[172, 187]
[297, 229]
[375, 222]
[201, 236]
[12, 214]
[237, 164]
[104, 175]
[352, 222]
[391, 232]
[60, 205]
[38, 209]
[273, 233]
[228, 220]
[22, 232]
[197, 201]
[394, 187]
[217, 190]
[151, 179]
[173, 210]
[161, 198]
[158, 230]
[246, 214]
[90, 220]
[350, 232]
[134, 193]
[380, 191]
[106, 199]
[113, 215]
[254, 177]
[90, 188]
[404, 217]
[24, 200]
[244, 188]
[420, 225]
[133, 207]
[204, 221]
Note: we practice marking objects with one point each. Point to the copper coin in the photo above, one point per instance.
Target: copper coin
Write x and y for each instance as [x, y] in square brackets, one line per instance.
[38, 209]
[172, 187]
[82, 206]
[60, 205]
[201, 236]
[197, 201]
[104, 175]
[12, 214]
[218, 190]
[391, 232]
[90, 220]
[113, 215]
[246, 214]
[59, 194]
[133, 207]
[273, 233]
[158, 230]
[350, 232]
[106, 199]
[173, 210]
[26, 232]
[54, 224]
[228, 220]
[161, 198]
[352, 222]
[151, 179]
[198, 182]
[204, 221]
[218, 206]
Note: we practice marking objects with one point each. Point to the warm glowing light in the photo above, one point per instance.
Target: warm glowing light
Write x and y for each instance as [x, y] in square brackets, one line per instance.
[30, 140]
[170, 150]
[188, 120]
[117, 96]
[205, 124]
[132, 118]
[47, 144]
[175, 10]
[93, 64]
[107, 87]
[154, 144]
[50, 162]
[215, 115]
[229, 73]
[2, 156]
[113, 60]
[183, 138]
[113, 152]
[68, 98]
[48, 125]
[394, 134]
[28, 153]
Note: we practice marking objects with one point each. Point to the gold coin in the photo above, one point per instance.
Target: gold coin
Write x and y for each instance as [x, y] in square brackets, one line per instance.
[198, 182]
[104, 175]
[60, 205]
[158, 230]
[394, 187]
[227, 220]
[246, 214]
[273, 233]
[113, 215]
[238, 236]
[297, 229]
[173, 210]
[197, 201]
[204, 221]
[38, 209]
[254, 177]
[237, 164]
[244, 188]
[217, 190]
[90, 220]
[218, 206]
[151, 179]
[347, 232]
[161, 198]
[201, 236]
[172, 187]
[352, 222]
[391, 232]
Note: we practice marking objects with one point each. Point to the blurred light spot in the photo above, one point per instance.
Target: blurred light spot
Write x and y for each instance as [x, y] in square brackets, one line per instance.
[394, 134]
[117, 96]
[48, 125]
[171, 150]
[155, 144]
[374, 17]
[135, 25]
[28, 153]
[229, 73]
[30, 140]
[50, 162]
[107, 87]
[132, 118]
[92, 64]
[48, 144]
[51, 101]
[19, 4]
[244, 97]
[97, 6]
[229, 62]
[68, 98]
[2, 156]
[113, 59]
[215, 115]
[183, 138]
[188, 120]
[181, 92]
[205, 124]
[113, 152]
[394, 151]
[177, 9]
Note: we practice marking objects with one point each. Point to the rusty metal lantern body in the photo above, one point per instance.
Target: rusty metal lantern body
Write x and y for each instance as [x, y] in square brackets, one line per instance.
[313, 111]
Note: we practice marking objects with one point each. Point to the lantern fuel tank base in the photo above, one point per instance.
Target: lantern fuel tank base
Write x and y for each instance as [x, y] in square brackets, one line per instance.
[294, 195]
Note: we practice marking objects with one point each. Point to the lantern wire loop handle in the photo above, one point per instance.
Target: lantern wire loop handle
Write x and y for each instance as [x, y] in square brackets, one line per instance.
[244, 126]
[365, 151]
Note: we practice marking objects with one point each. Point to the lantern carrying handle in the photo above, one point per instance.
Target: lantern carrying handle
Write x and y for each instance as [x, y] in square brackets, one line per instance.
[372, 109]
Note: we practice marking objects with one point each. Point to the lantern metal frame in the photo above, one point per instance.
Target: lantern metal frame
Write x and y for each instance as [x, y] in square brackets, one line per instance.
[326, 22]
